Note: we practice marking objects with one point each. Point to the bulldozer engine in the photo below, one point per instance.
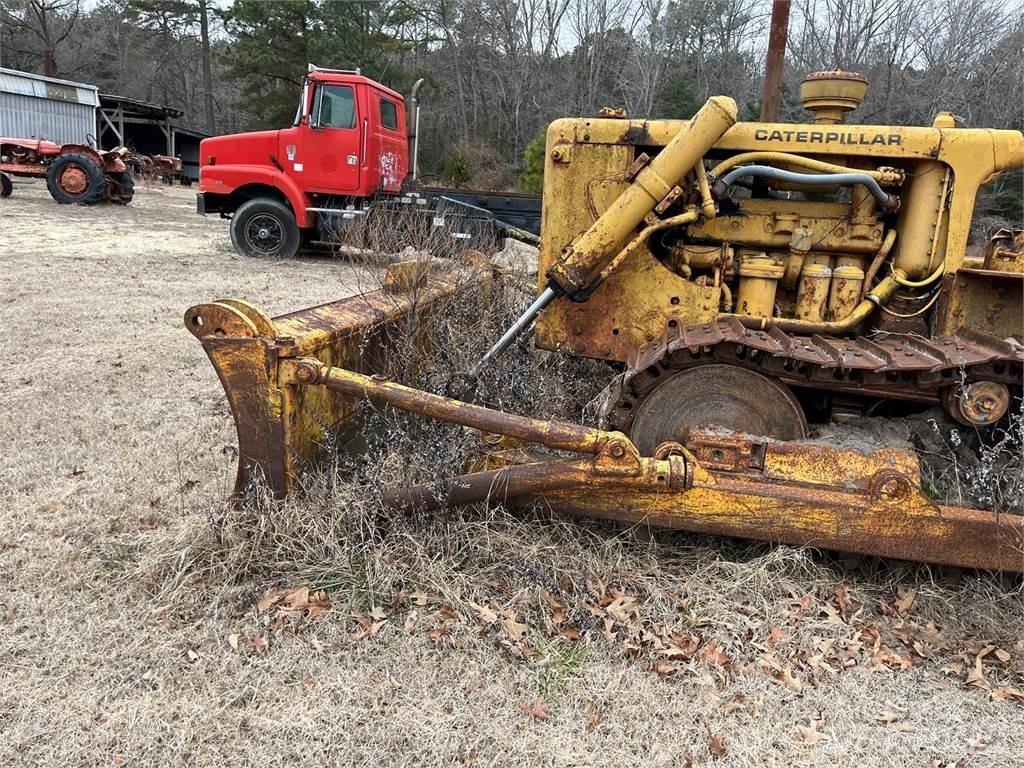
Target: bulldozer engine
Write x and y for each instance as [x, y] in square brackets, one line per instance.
[742, 280]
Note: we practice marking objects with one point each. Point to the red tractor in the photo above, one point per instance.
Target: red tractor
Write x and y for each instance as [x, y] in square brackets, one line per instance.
[349, 151]
[75, 173]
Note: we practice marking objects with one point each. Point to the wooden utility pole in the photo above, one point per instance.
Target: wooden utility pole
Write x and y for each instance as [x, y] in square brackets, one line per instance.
[775, 61]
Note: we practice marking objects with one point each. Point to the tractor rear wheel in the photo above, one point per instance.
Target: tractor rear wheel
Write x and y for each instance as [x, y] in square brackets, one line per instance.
[6, 186]
[76, 178]
[265, 228]
[122, 188]
[715, 396]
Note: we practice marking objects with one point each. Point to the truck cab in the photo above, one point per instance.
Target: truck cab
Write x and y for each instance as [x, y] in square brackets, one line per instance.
[347, 145]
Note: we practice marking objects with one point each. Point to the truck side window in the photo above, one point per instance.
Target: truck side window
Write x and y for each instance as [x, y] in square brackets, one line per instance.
[336, 107]
[388, 114]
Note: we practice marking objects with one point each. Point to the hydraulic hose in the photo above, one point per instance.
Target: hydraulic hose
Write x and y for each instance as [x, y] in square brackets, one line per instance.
[887, 201]
[919, 283]
[885, 176]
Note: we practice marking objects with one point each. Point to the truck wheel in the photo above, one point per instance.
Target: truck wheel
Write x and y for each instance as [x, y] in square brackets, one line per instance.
[122, 188]
[76, 178]
[6, 186]
[265, 228]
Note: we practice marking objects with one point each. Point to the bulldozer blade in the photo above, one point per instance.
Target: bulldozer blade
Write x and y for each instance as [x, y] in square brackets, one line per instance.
[281, 425]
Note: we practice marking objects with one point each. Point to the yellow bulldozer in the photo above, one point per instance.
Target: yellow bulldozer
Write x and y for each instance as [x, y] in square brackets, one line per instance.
[731, 274]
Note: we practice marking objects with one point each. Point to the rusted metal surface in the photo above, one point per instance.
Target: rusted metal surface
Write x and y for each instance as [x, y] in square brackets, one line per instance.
[800, 494]
[376, 388]
[978, 404]
[22, 157]
[740, 399]
[775, 61]
[281, 423]
[151, 167]
[73, 180]
[889, 366]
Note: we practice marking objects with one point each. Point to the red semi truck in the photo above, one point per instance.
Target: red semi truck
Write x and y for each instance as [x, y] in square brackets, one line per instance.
[349, 150]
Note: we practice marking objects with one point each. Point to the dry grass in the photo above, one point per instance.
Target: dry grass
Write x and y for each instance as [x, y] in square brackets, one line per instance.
[129, 634]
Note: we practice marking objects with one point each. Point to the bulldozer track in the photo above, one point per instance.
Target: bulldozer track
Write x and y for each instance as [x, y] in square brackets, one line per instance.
[885, 365]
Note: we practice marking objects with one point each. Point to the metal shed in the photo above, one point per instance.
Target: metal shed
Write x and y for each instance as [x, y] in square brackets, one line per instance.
[149, 128]
[37, 107]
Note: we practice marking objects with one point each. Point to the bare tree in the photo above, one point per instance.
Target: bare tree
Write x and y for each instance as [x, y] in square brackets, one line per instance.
[49, 22]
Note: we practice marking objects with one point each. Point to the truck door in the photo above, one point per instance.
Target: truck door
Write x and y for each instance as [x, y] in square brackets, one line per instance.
[328, 159]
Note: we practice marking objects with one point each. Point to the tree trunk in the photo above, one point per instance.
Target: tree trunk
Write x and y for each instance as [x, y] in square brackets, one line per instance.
[204, 34]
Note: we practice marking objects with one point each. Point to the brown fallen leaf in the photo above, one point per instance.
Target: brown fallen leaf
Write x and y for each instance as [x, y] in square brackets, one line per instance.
[976, 677]
[410, 621]
[298, 603]
[270, 598]
[571, 633]
[716, 746]
[792, 682]
[556, 608]
[233, 639]
[485, 613]
[809, 734]
[712, 654]
[537, 711]
[596, 716]
[622, 608]
[1003, 655]
[1004, 693]
[419, 598]
[895, 720]
[448, 613]
[515, 629]
[953, 668]
[437, 634]
[681, 646]
[664, 667]
[775, 635]
[904, 600]
[842, 596]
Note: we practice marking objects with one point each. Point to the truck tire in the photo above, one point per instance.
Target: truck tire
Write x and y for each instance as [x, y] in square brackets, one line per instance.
[265, 228]
[123, 188]
[6, 186]
[76, 178]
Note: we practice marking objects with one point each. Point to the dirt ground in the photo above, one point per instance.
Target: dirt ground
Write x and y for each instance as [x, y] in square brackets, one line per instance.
[119, 647]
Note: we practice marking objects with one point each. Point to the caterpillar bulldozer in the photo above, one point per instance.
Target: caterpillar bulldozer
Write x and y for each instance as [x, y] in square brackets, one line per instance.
[737, 277]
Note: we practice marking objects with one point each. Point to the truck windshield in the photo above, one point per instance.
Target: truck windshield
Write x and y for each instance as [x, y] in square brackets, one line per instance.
[335, 106]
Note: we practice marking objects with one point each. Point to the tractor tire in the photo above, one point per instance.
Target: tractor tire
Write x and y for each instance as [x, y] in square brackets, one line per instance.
[6, 185]
[122, 188]
[76, 178]
[265, 228]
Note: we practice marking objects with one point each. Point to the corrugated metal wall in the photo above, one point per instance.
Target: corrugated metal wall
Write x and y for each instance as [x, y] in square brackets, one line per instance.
[35, 107]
